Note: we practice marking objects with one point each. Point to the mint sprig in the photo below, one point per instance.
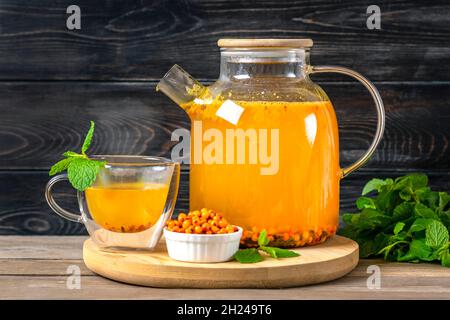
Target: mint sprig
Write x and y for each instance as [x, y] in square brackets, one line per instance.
[404, 221]
[253, 255]
[81, 170]
[248, 256]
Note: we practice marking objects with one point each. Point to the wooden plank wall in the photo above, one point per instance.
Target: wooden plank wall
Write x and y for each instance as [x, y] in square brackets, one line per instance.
[53, 81]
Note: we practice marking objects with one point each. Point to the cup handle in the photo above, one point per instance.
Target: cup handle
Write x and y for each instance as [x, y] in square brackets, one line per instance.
[52, 203]
[380, 112]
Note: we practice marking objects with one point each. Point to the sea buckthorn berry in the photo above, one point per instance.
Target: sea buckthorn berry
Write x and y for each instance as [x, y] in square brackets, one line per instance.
[205, 215]
[204, 221]
[186, 223]
[222, 224]
[171, 224]
[198, 229]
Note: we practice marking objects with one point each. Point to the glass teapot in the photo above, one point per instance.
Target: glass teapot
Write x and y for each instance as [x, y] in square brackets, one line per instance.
[264, 143]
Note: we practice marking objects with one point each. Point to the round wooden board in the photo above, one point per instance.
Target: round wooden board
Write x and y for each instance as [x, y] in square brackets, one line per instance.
[328, 261]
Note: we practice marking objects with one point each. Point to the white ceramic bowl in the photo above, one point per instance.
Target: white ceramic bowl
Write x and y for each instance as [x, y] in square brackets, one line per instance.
[202, 247]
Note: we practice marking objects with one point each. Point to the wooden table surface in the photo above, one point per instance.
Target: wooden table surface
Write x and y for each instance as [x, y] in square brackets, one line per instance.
[36, 268]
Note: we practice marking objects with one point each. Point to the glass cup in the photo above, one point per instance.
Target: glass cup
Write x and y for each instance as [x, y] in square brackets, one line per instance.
[129, 203]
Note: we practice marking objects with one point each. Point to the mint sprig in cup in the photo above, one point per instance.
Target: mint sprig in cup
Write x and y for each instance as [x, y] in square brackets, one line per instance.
[81, 170]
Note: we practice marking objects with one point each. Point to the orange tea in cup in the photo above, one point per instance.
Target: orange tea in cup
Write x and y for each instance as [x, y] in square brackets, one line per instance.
[129, 203]
[127, 207]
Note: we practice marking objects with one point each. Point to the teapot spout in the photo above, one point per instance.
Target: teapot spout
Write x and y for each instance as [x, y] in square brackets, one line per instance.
[180, 86]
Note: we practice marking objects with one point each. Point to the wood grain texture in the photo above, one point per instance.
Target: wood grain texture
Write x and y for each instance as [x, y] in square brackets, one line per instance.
[135, 39]
[20, 278]
[352, 288]
[42, 120]
[42, 247]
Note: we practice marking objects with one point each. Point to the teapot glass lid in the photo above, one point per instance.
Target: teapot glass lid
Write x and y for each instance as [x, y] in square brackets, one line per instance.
[265, 43]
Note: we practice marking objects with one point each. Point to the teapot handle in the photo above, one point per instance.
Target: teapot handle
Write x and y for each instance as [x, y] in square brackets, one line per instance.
[380, 112]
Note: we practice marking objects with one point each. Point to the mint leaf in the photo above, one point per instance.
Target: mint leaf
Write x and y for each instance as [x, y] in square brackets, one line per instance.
[386, 250]
[60, 166]
[279, 253]
[436, 234]
[386, 200]
[284, 253]
[248, 256]
[406, 194]
[420, 224]
[398, 227]
[422, 211]
[403, 211]
[444, 199]
[418, 180]
[370, 219]
[262, 239]
[72, 154]
[420, 249]
[364, 202]
[374, 184]
[83, 172]
[445, 259]
[88, 139]
[270, 250]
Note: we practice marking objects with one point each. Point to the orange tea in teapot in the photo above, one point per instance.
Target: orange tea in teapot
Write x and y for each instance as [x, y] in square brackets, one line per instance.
[298, 202]
[127, 207]
[264, 138]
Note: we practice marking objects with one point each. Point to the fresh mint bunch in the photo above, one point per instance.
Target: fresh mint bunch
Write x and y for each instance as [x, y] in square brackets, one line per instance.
[81, 170]
[252, 255]
[405, 221]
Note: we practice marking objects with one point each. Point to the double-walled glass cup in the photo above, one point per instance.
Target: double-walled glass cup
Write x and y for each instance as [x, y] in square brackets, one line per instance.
[129, 203]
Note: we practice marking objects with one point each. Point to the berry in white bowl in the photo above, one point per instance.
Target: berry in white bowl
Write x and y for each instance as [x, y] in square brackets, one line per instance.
[203, 248]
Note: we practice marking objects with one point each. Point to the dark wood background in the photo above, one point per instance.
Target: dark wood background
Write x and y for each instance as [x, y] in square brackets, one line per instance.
[53, 81]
